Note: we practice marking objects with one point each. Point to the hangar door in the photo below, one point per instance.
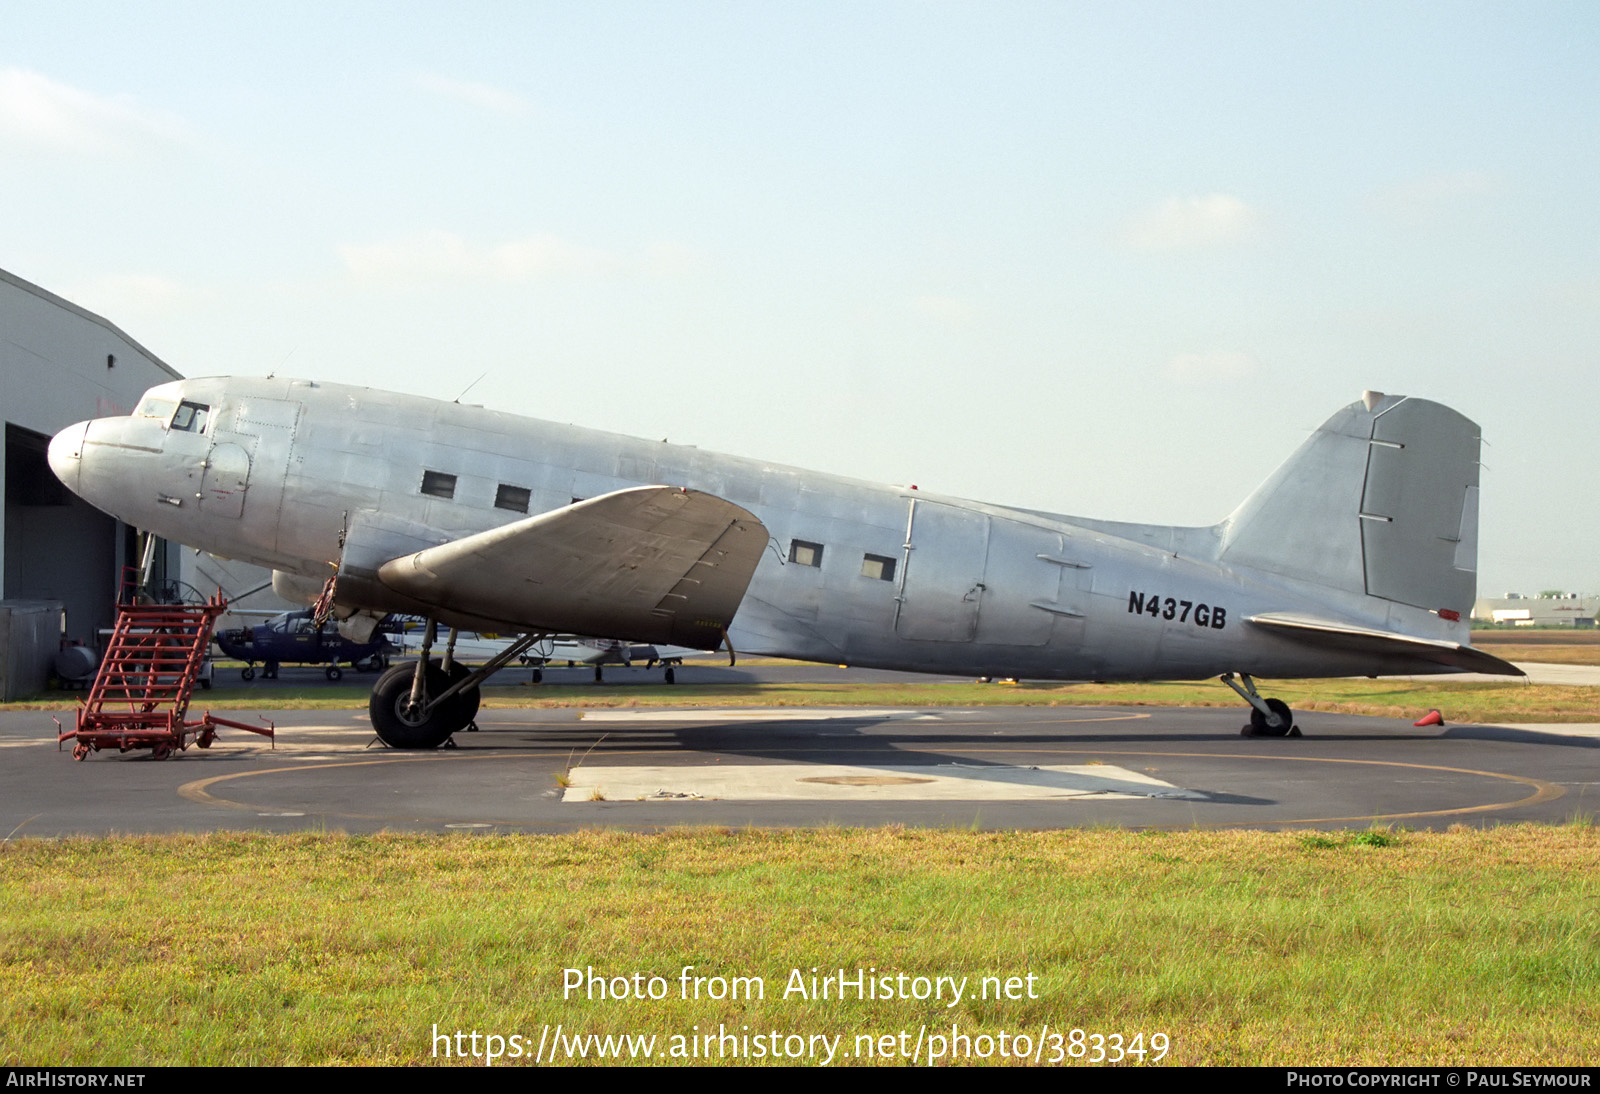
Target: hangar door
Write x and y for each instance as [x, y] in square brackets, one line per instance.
[57, 546]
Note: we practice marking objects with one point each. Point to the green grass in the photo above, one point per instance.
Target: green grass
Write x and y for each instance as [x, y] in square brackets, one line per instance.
[1378, 947]
[1542, 653]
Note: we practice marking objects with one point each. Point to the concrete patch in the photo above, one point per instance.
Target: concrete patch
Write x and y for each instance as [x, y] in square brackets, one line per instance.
[1559, 729]
[829, 782]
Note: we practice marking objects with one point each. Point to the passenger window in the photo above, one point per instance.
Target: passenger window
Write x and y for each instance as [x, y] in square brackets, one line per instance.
[805, 554]
[191, 417]
[877, 566]
[514, 498]
[436, 484]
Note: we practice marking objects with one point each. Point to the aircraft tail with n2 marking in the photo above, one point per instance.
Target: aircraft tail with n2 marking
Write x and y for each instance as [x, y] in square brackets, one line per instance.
[1382, 501]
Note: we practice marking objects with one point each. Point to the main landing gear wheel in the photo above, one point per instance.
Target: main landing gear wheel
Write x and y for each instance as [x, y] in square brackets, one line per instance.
[1286, 726]
[672, 677]
[464, 702]
[399, 724]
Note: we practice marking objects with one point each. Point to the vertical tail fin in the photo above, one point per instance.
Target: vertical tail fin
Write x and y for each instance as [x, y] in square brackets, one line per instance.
[1381, 500]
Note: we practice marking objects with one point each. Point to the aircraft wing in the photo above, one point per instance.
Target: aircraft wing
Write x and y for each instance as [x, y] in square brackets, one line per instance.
[1342, 636]
[652, 563]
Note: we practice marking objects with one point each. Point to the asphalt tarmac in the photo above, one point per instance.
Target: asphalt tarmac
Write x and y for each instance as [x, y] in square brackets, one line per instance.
[986, 767]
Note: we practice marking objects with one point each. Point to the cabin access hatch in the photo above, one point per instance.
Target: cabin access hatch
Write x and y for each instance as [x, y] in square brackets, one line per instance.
[140, 696]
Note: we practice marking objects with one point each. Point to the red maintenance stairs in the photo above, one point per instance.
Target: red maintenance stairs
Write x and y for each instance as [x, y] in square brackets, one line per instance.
[140, 696]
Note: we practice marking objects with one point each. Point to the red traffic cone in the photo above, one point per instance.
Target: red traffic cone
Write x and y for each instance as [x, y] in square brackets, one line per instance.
[1432, 718]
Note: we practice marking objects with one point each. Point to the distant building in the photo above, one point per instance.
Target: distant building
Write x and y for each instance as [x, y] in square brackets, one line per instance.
[1567, 610]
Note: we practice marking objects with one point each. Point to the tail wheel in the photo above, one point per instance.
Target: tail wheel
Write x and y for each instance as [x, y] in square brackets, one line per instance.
[1258, 721]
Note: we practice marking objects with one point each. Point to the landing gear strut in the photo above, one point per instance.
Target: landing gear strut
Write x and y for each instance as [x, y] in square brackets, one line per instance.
[1268, 717]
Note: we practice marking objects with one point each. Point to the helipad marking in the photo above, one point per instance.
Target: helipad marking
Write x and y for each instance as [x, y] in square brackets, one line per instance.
[836, 782]
[1539, 791]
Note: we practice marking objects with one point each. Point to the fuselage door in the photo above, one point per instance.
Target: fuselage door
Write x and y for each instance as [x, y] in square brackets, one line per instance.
[226, 478]
[941, 593]
[1027, 587]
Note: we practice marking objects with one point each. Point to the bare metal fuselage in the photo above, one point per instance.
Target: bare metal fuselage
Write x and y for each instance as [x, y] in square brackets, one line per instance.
[283, 473]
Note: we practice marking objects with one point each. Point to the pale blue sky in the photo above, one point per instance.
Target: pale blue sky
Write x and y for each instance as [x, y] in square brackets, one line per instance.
[1110, 259]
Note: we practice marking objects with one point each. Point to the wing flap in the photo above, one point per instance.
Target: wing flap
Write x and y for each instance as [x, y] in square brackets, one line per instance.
[649, 564]
[1343, 636]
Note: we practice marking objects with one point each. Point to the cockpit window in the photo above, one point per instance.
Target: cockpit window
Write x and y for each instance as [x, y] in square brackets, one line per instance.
[156, 408]
[191, 417]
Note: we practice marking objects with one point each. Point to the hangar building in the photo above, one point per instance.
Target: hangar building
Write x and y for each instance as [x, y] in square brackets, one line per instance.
[60, 364]
[1565, 610]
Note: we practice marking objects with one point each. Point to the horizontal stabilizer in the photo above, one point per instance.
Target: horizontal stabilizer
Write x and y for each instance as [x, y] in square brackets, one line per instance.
[648, 564]
[1342, 636]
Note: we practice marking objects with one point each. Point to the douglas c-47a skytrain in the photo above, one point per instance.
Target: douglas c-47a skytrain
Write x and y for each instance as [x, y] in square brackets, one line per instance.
[1357, 557]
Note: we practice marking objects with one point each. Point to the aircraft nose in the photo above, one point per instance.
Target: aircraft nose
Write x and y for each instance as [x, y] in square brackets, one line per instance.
[66, 454]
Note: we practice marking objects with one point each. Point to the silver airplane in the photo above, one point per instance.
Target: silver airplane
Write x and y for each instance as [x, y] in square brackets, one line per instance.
[1356, 558]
